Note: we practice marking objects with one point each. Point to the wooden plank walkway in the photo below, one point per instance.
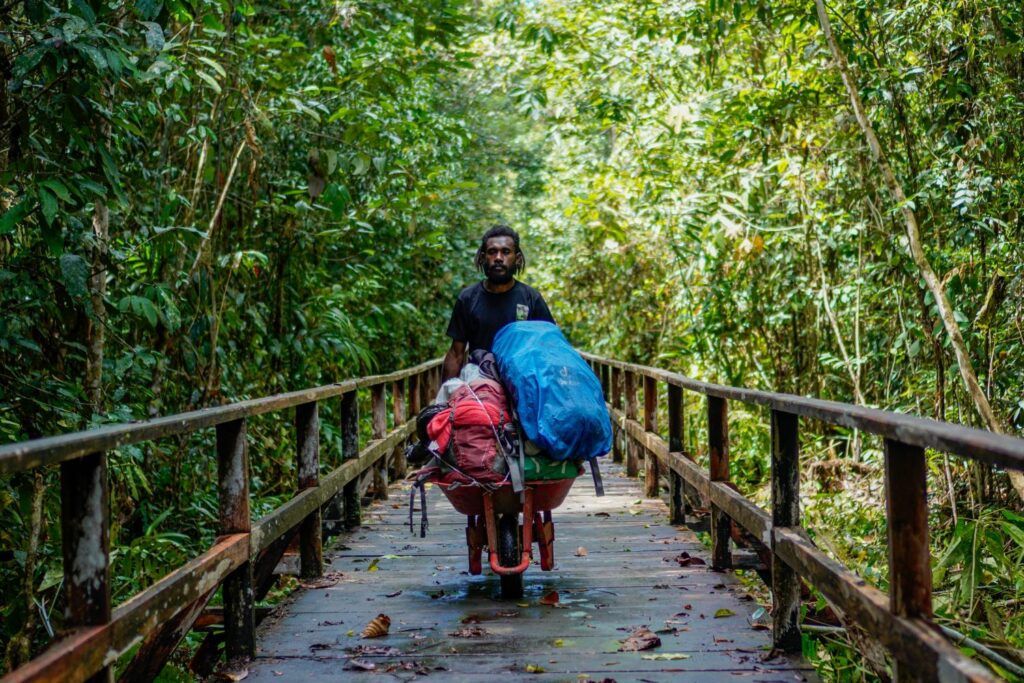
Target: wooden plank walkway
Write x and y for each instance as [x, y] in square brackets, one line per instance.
[628, 577]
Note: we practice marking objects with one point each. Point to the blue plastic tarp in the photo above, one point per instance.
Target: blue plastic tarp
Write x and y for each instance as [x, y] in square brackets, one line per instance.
[558, 398]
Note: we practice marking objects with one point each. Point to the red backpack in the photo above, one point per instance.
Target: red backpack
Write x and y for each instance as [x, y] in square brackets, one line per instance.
[468, 432]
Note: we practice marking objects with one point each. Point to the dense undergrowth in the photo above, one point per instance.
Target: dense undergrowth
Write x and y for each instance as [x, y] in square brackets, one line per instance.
[207, 201]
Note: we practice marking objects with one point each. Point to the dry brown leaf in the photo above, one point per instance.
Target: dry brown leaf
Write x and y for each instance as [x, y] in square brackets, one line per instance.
[641, 638]
[377, 627]
[469, 632]
[581, 552]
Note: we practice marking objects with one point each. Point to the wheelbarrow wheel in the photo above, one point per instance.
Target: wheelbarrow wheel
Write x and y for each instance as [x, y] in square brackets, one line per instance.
[509, 556]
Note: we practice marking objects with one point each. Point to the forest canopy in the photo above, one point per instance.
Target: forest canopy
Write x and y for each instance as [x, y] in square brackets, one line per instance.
[206, 201]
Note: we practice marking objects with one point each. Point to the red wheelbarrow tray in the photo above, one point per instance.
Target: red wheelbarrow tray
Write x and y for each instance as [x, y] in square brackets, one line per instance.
[540, 497]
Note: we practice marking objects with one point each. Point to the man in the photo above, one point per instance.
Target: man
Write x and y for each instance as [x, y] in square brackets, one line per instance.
[484, 308]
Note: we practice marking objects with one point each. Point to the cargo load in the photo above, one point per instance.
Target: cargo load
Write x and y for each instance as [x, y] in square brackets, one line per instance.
[557, 398]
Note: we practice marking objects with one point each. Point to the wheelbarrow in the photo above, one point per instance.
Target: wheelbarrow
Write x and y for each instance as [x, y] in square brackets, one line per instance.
[493, 520]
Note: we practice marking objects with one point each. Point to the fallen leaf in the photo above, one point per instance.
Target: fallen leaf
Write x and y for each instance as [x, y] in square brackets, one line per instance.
[471, 619]
[534, 669]
[360, 665]
[760, 627]
[376, 650]
[393, 595]
[666, 656]
[350, 632]
[559, 642]
[684, 559]
[724, 612]
[277, 673]
[602, 514]
[377, 627]
[373, 565]
[523, 604]
[640, 639]
[469, 632]
[550, 599]
[581, 552]
[438, 594]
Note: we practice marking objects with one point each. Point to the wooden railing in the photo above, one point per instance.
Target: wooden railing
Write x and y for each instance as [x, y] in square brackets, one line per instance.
[901, 621]
[243, 558]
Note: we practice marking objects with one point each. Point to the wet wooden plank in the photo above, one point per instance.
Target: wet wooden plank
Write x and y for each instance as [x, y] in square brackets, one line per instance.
[628, 576]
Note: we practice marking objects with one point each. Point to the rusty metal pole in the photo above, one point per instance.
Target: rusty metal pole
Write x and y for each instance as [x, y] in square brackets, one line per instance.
[233, 481]
[307, 446]
[718, 451]
[785, 513]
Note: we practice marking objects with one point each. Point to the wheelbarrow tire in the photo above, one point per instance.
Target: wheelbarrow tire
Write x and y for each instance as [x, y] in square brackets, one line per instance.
[509, 555]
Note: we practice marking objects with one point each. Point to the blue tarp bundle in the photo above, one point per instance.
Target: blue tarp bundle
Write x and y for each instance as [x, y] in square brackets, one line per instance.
[559, 400]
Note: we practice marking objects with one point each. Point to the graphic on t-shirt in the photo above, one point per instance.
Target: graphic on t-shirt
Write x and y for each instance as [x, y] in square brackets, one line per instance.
[522, 312]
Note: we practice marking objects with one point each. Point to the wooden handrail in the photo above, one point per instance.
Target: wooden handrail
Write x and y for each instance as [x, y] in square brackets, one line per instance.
[901, 621]
[242, 560]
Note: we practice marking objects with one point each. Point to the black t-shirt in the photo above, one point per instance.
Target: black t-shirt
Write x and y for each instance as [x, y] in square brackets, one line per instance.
[479, 314]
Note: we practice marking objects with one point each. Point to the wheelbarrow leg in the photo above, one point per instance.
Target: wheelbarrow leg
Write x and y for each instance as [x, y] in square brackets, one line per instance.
[475, 535]
[544, 530]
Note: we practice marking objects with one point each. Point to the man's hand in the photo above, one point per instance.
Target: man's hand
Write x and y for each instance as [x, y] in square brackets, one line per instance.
[453, 361]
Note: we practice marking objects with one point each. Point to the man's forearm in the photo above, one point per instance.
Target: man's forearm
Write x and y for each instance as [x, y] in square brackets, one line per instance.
[452, 364]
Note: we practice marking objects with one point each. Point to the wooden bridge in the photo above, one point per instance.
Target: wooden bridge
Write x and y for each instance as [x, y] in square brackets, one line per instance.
[637, 570]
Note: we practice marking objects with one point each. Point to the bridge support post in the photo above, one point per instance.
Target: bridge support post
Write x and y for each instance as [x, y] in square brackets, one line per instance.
[618, 434]
[718, 450]
[379, 408]
[349, 450]
[85, 535]
[677, 488]
[906, 502]
[785, 513]
[307, 436]
[233, 480]
[631, 451]
[651, 465]
[398, 464]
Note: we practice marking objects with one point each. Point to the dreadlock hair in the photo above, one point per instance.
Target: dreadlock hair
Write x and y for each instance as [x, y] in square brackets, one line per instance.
[500, 230]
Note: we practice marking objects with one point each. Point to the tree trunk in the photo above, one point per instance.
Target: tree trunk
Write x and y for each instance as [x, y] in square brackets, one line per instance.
[98, 321]
[932, 281]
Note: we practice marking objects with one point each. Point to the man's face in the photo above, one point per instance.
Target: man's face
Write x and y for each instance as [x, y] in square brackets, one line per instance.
[500, 260]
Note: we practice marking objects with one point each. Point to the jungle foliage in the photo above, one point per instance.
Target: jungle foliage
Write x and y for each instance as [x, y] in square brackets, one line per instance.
[203, 201]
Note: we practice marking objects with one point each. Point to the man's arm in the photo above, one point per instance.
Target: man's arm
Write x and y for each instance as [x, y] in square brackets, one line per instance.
[453, 360]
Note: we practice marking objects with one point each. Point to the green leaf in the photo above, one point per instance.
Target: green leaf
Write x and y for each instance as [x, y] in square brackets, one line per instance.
[148, 9]
[58, 188]
[154, 36]
[9, 221]
[724, 612]
[48, 204]
[75, 273]
[210, 80]
[214, 65]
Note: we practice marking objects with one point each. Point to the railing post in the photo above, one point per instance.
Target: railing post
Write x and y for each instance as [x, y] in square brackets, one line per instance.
[414, 396]
[379, 409]
[398, 409]
[618, 435]
[651, 464]
[906, 503]
[785, 513]
[349, 450]
[233, 479]
[677, 495]
[307, 451]
[718, 452]
[605, 374]
[631, 464]
[85, 535]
